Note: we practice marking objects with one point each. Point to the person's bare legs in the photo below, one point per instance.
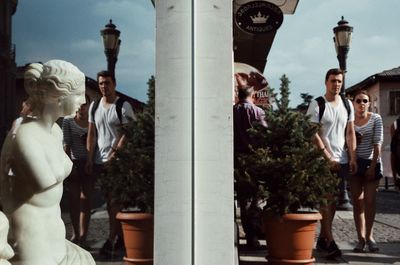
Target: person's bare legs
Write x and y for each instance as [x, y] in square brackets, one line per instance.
[115, 226]
[328, 213]
[370, 207]
[74, 208]
[357, 195]
[85, 201]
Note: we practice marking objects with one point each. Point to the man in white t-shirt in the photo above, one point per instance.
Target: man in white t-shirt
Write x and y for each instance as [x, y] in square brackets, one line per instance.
[332, 139]
[104, 130]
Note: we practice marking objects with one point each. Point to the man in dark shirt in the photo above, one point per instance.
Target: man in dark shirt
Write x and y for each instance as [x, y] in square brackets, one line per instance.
[245, 113]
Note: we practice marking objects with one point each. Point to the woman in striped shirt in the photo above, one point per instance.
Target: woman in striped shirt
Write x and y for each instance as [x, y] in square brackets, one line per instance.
[80, 184]
[364, 184]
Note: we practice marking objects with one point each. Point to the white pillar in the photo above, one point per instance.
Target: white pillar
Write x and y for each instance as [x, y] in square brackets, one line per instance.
[194, 138]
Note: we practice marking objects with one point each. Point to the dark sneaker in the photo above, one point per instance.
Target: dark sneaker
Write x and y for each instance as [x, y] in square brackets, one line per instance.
[372, 246]
[119, 244]
[253, 242]
[107, 249]
[83, 244]
[333, 251]
[321, 244]
[359, 248]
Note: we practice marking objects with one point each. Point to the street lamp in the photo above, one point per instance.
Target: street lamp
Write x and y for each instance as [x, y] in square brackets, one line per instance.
[111, 43]
[342, 40]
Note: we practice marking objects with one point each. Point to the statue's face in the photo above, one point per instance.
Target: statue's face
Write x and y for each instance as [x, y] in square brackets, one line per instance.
[71, 104]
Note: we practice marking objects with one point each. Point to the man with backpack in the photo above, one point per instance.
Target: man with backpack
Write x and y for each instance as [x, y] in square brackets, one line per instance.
[336, 131]
[106, 116]
[395, 151]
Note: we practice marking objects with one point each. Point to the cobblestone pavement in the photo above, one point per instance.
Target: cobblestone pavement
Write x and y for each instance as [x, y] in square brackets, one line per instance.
[387, 220]
[98, 230]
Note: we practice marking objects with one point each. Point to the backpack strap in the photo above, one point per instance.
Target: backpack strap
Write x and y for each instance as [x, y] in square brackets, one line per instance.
[321, 104]
[346, 105]
[94, 108]
[118, 107]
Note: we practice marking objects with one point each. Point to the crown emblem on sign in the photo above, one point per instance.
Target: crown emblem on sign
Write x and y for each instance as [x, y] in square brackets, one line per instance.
[259, 18]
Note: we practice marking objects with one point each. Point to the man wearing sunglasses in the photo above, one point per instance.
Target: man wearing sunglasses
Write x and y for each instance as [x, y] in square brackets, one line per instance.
[332, 138]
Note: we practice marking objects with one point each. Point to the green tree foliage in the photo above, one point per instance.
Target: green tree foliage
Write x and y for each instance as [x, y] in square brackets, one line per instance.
[130, 177]
[285, 165]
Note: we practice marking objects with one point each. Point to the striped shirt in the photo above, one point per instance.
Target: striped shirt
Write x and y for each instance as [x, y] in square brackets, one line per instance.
[371, 134]
[74, 136]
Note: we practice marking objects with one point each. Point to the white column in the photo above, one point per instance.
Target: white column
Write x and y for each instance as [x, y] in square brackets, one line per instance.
[214, 228]
[194, 142]
[173, 135]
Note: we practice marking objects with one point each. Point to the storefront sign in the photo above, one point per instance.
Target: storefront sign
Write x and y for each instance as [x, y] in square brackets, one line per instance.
[259, 17]
[248, 75]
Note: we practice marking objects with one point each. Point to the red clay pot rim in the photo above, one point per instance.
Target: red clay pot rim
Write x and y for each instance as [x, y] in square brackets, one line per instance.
[137, 260]
[292, 261]
[306, 216]
[133, 216]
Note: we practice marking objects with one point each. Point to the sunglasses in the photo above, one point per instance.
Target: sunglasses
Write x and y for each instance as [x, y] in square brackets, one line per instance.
[365, 101]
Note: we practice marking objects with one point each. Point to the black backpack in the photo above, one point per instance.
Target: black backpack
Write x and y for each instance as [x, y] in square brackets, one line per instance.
[395, 143]
[118, 108]
[321, 105]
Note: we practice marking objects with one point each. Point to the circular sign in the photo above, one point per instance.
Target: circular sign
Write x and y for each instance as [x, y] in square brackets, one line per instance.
[259, 17]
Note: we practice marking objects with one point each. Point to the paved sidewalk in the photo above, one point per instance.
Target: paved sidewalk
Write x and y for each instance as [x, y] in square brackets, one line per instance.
[386, 227]
[386, 233]
[98, 232]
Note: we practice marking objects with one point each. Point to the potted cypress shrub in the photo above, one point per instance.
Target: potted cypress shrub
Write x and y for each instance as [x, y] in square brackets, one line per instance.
[130, 179]
[291, 174]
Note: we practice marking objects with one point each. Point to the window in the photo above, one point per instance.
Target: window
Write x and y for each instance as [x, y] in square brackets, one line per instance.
[394, 100]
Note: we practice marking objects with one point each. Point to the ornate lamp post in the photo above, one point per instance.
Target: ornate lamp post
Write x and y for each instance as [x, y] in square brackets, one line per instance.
[111, 43]
[342, 40]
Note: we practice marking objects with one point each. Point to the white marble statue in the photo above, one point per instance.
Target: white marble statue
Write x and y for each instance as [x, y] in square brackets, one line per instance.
[6, 251]
[33, 166]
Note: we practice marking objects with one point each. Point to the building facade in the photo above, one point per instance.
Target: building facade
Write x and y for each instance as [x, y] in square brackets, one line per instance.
[7, 67]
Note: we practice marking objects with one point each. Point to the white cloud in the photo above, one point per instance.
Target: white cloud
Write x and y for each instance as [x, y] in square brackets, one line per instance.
[126, 10]
[380, 40]
[86, 45]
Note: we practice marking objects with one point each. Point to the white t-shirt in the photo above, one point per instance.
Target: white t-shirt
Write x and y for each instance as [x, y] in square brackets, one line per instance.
[107, 126]
[333, 125]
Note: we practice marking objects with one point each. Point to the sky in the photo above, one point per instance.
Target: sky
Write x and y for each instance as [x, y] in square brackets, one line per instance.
[304, 50]
[303, 47]
[70, 30]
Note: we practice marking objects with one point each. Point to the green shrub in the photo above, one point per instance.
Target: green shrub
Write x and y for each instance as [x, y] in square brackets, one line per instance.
[285, 165]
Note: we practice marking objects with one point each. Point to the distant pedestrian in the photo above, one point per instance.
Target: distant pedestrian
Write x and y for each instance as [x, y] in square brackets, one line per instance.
[80, 184]
[106, 117]
[364, 183]
[336, 132]
[245, 113]
[395, 152]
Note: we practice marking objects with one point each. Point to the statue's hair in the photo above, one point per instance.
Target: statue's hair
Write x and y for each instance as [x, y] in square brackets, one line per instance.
[52, 81]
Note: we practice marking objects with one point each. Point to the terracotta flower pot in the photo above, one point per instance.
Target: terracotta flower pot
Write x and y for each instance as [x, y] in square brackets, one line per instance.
[138, 237]
[290, 238]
